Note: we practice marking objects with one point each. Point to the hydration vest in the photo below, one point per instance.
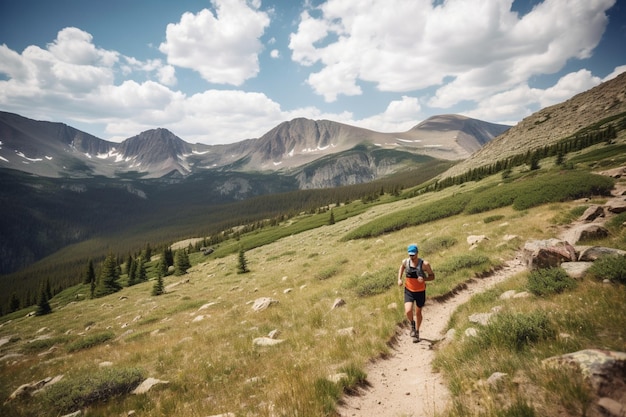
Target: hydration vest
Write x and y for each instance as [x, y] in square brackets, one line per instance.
[414, 271]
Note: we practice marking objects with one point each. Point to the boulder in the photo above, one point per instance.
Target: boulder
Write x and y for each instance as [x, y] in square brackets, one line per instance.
[592, 213]
[147, 385]
[548, 253]
[576, 270]
[591, 253]
[585, 231]
[266, 341]
[476, 239]
[263, 303]
[605, 370]
[338, 303]
[616, 206]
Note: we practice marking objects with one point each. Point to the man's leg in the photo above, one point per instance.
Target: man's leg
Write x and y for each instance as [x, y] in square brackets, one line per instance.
[408, 309]
[418, 316]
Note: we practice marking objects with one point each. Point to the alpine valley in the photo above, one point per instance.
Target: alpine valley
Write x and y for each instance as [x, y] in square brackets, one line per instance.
[62, 186]
[67, 196]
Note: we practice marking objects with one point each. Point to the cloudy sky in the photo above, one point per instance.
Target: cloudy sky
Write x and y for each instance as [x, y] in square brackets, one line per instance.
[220, 71]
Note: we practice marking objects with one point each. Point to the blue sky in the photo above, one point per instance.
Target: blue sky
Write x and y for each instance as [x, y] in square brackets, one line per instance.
[220, 71]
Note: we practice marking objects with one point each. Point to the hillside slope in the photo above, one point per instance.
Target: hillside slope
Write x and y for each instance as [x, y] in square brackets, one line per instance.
[551, 124]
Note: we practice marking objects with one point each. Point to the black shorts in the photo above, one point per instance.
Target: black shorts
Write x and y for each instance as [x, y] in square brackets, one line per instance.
[418, 297]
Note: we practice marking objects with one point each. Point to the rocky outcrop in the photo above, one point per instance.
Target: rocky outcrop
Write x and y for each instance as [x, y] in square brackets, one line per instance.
[548, 253]
[605, 372]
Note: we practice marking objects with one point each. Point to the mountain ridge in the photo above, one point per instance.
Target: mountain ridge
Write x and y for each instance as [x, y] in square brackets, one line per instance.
[58, 150]
[551, 124]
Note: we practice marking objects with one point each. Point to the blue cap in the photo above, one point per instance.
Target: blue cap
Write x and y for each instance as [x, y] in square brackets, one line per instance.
[412, 249]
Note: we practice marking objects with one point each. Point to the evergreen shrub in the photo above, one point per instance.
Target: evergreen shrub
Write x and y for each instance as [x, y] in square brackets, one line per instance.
[73, 394]
[90, 341]
[549, 281]
[373, 283]
[609, 267]
[516, 331]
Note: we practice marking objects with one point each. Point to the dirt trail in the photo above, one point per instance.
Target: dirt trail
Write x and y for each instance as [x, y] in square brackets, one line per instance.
[404, 384]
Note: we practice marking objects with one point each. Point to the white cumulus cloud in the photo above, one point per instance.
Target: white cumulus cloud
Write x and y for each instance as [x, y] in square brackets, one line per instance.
[223, 48]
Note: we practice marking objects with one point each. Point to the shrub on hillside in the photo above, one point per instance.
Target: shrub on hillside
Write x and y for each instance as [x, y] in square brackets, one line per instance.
[549, 281]
[373, 283]
[89, 341]
[72, 394]
[515, 331]
[461, 262]
[436, 244]
[425, 213]
[494, 218]
[561, 187]
[609, 267]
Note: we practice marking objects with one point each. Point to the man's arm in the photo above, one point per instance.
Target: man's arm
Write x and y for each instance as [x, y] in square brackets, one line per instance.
[430, 274]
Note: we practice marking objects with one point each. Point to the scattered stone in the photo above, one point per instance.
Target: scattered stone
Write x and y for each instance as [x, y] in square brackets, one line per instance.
[476, 239]
[604, 369]
[576, 270]
[507, 294]
[147, 385]
[224, 415]
[392, 306]
[198, 318]
[105, 364]
[273, 334]
[592, 213]
[266, 341]
[507, 238]
[495, 379]
[616, 206]
[522, 294]
[207, 305]
[586, 231]
[338, 303]
[287, 290]
[337, 377]
[480, 318]
[613, 407]
[30, 388]
[263, 303]
[348, 331]
[592, 253]
[471, 332]
[74, 414]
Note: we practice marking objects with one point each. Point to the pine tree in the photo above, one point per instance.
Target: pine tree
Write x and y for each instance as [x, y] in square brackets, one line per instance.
[132, 273]
[109, 275]
[14, 303]
[43, 306]
[332, 218]
[162, 267]
[168, 256]
[141, 271]
[242, 266]
[90, 273]
[148, 254]
[181, 262]
[158, 287]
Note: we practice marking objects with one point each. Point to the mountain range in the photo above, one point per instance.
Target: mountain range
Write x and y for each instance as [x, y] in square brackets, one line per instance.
[57, 150]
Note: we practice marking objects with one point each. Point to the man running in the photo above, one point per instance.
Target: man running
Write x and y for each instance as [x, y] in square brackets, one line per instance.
[418, 271]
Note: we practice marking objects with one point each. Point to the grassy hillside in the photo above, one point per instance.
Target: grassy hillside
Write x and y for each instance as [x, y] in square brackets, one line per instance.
[199, 336]
[62, 223]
